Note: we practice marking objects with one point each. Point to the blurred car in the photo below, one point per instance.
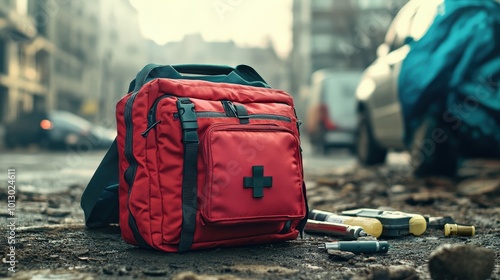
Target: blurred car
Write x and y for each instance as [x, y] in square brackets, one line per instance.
[331, 116]
[380, 122]
[445, 70]
[57, 129]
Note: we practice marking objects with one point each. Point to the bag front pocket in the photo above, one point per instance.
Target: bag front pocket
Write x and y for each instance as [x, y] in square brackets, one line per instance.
[253, 175]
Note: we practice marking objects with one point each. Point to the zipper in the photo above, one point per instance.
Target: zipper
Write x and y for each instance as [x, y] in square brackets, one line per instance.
[251, 116]
[131, 170]
[270, 117]
[129, 173]
[205, 114]
[229, 109]
[152, 122]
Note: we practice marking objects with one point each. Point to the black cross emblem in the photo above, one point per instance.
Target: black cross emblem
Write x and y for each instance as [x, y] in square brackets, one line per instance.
[258, 182]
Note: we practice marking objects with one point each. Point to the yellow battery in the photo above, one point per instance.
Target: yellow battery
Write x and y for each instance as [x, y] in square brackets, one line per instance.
[459, 230]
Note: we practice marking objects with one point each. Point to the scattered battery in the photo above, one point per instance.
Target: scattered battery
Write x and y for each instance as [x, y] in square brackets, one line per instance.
[395, 223]
[459, 230]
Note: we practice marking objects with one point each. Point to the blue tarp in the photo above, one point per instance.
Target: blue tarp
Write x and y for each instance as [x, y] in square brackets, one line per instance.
[453, 72]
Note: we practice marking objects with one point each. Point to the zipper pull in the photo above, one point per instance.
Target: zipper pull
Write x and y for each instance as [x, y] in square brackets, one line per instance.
[145, 132]
[229, 108]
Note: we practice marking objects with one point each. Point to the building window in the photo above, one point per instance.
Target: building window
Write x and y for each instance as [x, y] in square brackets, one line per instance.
[322, 43]
[320, 5]
[374, 4]
[322, 23]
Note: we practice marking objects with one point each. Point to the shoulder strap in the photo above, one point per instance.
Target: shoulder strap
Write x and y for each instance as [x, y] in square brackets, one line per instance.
[100, 198]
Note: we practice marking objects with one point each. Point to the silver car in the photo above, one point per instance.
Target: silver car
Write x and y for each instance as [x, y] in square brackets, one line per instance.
[380, 121]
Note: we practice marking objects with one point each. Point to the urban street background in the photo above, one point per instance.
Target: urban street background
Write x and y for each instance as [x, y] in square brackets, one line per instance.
[79, 56]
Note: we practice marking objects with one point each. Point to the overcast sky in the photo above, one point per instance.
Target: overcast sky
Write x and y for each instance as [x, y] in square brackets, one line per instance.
[247, 22]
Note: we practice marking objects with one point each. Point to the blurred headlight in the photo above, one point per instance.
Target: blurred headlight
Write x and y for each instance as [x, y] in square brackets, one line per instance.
[46, 125]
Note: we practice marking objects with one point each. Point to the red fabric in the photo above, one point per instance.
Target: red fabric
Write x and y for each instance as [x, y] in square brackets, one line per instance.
[227, 213]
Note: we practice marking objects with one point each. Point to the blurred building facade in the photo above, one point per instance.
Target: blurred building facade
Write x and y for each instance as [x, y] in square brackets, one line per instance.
[123, 52]
[80, 56]
[24, 85]
[76, 56]
[341, 34]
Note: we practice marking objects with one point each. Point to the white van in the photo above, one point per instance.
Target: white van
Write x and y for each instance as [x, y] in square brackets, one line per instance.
[331, 116]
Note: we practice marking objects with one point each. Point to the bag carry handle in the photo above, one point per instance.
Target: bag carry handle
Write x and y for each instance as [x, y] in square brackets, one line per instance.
[243, 74]
[203, 69]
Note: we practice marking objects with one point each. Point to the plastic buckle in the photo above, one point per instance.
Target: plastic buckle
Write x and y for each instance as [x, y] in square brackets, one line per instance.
[189, 123]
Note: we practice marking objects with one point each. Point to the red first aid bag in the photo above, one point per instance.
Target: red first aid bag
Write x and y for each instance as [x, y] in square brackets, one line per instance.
[204, 160]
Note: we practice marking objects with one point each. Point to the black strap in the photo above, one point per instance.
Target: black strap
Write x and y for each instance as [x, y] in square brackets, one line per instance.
[303, 222]
[100, 198]
[191, 141]
[242, 114]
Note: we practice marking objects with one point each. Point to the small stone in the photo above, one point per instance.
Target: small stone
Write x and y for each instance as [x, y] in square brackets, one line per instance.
[337, 255]
[371, 187]
[108, 271]
[52, 203]
[461, 262]
[402, 272]
[396, 272]
[123, 271]
[53, 212]
[396, 189]
[476, 187]
[81, 252]
[155, 272]
[332, 182]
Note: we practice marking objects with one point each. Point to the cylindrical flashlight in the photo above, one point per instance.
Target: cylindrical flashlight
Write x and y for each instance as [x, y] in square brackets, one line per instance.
[358, 246]
[347, 231]
[371, 226]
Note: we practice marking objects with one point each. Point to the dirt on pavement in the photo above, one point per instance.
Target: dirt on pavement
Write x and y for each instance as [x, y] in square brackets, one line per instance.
[52, 243]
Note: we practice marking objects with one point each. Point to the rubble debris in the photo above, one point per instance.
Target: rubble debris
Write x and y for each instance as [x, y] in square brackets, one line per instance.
[336, 255]
[155, 272]
[260, 269]
[440, 182]
[395, 272]
[80, 226]
[398, 189]
[193, 276]
[475, 187]
[428, 198]
[326, 181]
[81, 252]
[108, 270]
[461, 262]
[57, 212]
[51, 274]
[124, 270]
